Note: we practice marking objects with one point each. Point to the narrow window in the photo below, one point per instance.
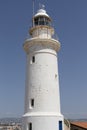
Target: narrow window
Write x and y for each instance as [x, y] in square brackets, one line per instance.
[33, 59]
[55, 76]
[60, 125]
[30, 126]
[32, 103]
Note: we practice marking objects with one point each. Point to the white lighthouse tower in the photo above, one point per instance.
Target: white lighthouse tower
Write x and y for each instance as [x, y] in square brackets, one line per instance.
[42, 96]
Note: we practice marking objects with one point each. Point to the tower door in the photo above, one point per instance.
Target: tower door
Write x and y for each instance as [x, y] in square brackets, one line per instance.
[60, 125]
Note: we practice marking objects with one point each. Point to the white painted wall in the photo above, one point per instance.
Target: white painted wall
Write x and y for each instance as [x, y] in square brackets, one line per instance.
[42, 123]
[42, 80]
[42, 85]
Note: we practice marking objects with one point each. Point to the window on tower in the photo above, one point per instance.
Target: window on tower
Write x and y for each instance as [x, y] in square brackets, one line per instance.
[55, 76]
[30, 126]
[31, 103]
[33, 59]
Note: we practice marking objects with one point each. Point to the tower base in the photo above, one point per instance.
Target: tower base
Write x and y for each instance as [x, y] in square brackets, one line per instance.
[45, 122]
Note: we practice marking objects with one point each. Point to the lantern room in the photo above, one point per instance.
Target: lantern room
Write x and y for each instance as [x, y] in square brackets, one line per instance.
[41, 25]
[42, 18]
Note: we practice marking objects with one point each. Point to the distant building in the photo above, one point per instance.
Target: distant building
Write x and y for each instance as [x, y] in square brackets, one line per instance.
[78, 125]
[10, 127]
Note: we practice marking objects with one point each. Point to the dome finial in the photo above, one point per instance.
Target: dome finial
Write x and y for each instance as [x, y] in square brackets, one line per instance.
[41, 6]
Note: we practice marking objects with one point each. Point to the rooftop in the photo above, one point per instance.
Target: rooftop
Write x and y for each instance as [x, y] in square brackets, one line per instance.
[80, 124]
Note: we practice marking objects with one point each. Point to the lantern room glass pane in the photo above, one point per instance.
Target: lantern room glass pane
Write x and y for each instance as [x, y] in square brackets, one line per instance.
[42, 21]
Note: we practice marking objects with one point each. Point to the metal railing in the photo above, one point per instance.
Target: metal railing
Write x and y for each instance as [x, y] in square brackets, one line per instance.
[55, 36]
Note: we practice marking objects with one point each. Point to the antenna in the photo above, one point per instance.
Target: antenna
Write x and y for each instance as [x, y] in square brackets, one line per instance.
[33, 4]
[39, 5]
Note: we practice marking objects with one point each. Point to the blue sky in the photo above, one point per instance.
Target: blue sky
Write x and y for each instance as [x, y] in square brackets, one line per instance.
[70, 22]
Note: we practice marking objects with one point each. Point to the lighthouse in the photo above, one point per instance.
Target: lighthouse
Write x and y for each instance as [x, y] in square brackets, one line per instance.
[42, 96]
